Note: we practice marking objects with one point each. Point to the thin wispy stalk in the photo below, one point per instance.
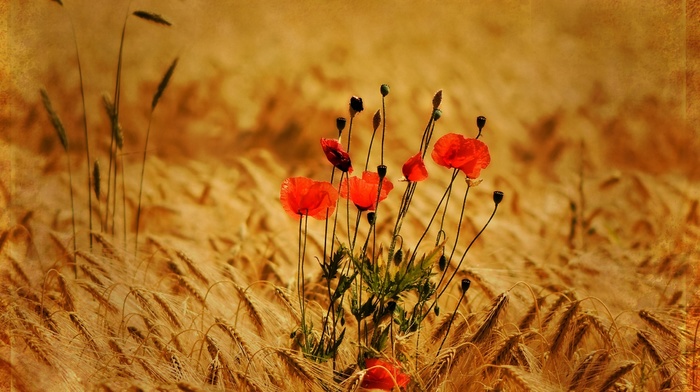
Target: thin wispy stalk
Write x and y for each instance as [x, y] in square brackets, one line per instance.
[61, 131]
[156, 97]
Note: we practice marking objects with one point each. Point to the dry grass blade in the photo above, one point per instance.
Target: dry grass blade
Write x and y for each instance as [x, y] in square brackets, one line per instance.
[55, 121]
[152, 17]
[163, 84]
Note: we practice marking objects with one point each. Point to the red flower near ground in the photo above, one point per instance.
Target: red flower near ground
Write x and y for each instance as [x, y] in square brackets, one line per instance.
[363, 191]
[336, 155]
[383, 375]
[458, 152]
[414, 169]
[304, 196]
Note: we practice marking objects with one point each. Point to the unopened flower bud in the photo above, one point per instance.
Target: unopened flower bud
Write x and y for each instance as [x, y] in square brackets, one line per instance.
[442, 263]
[381, 170]
[376, 120]
[480, 122]
[437, 99]
[391, 306]
[437, 113]
[340, 124]
[436, 309]
[384, 90]
[497, 197]
[371, 218]
[356, 105]
[398, 257]
[465, 285]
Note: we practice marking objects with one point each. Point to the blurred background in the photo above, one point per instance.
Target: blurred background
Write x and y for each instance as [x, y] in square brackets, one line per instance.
[591, 122]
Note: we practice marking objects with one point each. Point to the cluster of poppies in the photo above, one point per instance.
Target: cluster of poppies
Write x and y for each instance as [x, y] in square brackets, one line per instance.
[302, 196]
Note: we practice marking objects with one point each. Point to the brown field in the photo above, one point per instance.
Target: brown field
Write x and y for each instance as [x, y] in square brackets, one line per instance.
[593, 133]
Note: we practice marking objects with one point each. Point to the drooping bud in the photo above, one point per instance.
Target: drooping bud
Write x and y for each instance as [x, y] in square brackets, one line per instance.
[497, 197]
[437, 99]
[398, 257]
[356, 105]
[465, 285]
[442, 263]
[384, 90]
[436, 309]
[391, 306]
[437, 113]
[376, 120]
[340, 124]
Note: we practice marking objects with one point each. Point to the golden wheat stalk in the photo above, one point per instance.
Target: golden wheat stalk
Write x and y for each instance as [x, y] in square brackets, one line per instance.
[489, 322]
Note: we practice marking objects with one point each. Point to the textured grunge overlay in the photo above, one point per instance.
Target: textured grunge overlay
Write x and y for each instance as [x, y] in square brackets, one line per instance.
[586, 277]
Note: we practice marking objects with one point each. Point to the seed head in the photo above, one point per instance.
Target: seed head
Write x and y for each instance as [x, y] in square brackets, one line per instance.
[381, 170]
[497, 197]
[465, 285]
[340, 124]
[480, 122]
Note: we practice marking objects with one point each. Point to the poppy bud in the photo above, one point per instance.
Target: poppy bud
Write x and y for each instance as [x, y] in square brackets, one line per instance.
[376, 120]
[371, 218]
[356, 105]
[437, 113]
[391, 306]
[497, 197]
[442, 263]
[437, 99]
[436, 309]
[340, 124]
[480, 122]
[398, 257]
[465, 285]
[384, 90]
[381, 170]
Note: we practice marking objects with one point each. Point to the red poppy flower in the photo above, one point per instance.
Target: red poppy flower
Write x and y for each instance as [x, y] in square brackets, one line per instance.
[458, 152]
[363, 191]
[414, 169]
[304, 196]
[383, 375]
[336, 155]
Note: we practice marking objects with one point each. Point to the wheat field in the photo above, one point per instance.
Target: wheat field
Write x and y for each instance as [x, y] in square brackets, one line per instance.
[585, 280]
